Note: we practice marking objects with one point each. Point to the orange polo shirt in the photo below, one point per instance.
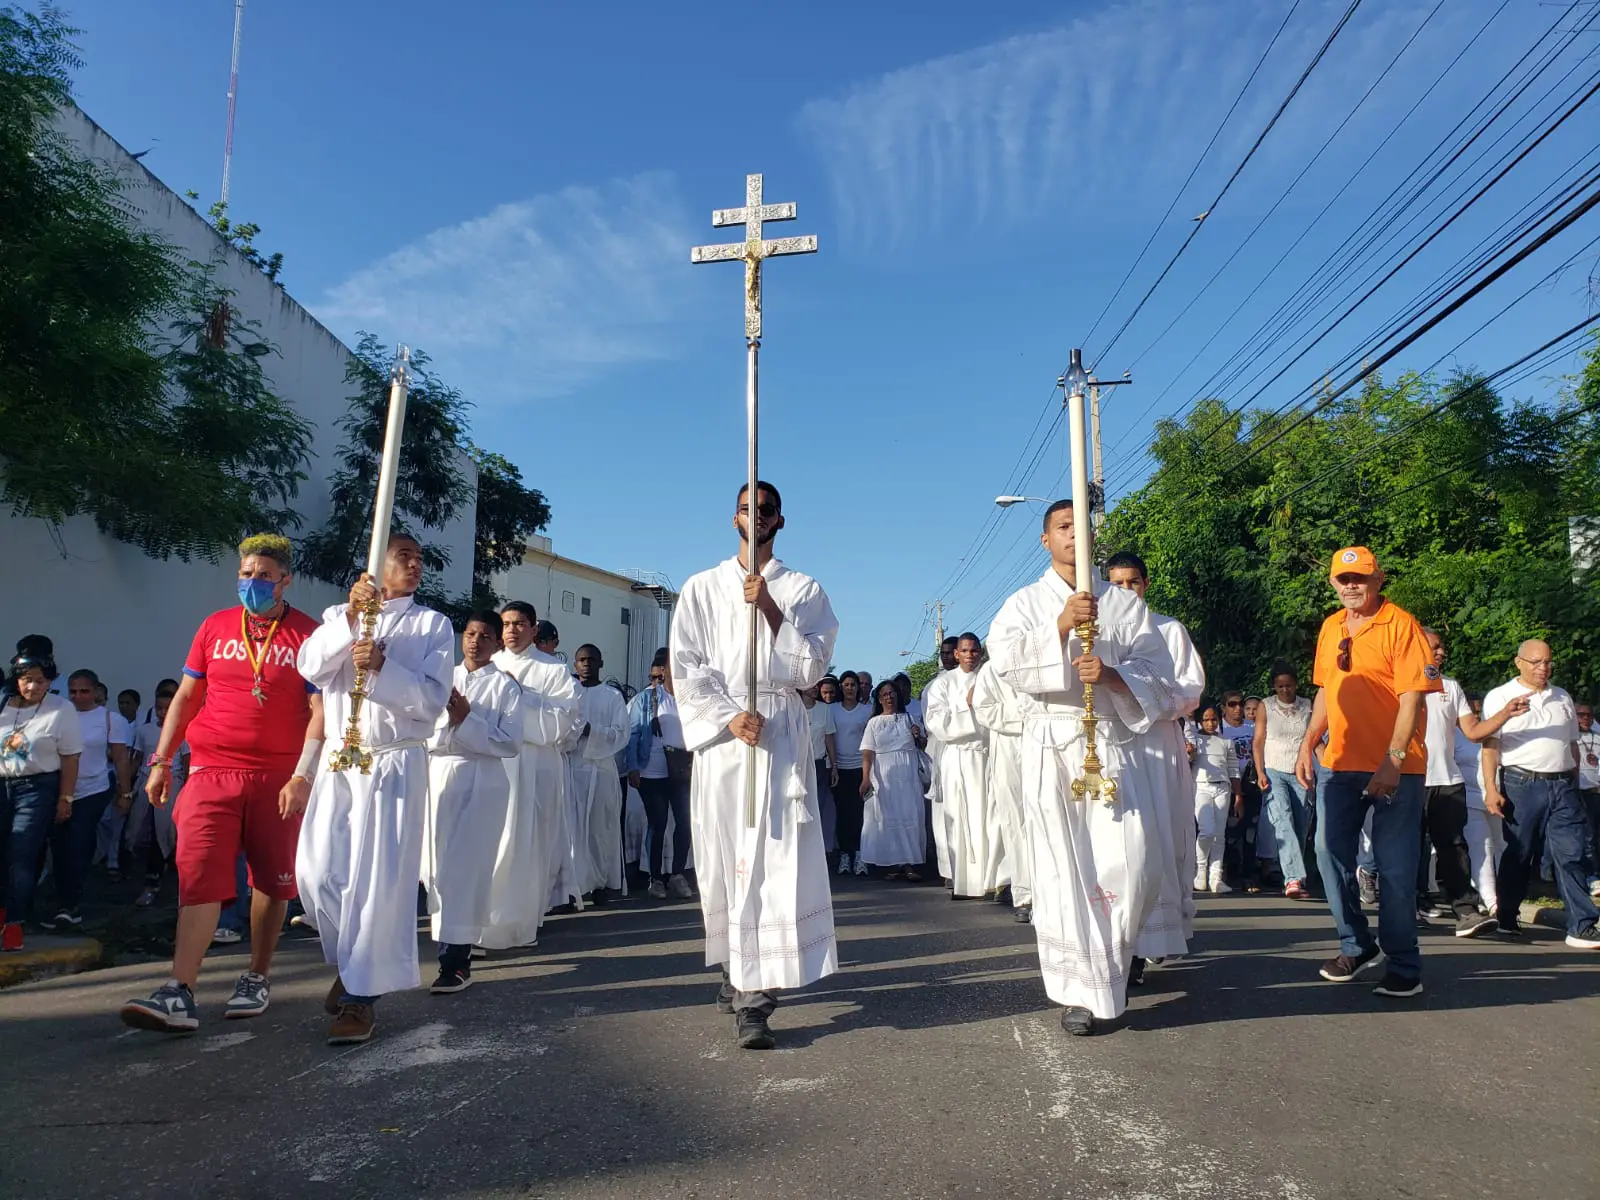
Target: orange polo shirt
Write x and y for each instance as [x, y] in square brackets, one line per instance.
[1388, 657]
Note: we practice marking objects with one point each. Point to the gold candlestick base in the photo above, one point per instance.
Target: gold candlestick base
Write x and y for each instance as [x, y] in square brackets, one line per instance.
[351, 755]
[1093, 782]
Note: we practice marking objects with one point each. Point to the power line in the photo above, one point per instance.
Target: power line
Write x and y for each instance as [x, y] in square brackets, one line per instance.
[1212, 207]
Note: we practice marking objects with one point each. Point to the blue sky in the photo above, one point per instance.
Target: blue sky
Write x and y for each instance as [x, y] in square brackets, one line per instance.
[515, 187]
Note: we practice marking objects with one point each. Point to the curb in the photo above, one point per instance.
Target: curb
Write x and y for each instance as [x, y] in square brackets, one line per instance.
[29, 965]
[1549, 918]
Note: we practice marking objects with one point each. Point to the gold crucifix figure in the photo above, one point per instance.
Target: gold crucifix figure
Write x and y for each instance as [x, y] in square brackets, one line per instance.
[754, 249]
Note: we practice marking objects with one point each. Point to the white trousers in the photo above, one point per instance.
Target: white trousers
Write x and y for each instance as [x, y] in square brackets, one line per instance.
[1485, 841]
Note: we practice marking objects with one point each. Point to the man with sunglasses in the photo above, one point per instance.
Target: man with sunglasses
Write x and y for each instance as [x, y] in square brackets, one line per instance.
[763, 884]
[1530, 780]
[1374, 669]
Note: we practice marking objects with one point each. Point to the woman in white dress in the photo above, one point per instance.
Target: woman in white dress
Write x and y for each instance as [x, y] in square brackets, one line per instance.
[892, 832]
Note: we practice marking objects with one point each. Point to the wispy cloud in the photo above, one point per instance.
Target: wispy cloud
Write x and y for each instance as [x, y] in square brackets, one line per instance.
[1048, 124]
[554, 290]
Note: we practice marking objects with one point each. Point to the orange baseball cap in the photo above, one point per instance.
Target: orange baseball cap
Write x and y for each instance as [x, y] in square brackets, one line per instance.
[1353, 560]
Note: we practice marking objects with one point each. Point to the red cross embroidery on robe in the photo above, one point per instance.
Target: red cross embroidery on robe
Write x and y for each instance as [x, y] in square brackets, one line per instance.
[1102, 899]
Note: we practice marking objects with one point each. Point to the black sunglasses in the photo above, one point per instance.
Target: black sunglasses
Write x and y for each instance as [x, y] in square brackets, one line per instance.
[766, 511]
[1344, 655]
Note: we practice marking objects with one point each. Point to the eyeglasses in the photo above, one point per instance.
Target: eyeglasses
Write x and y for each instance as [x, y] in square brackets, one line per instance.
[1344, 654]
[1536, 662]
[1233, 704]
[766, 511]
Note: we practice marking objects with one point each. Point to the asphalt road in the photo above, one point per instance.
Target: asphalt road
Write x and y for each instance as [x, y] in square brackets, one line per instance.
[930, 1066]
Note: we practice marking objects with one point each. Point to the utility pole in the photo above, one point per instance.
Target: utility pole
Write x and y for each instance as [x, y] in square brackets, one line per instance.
[938, 626]
[1099, 515]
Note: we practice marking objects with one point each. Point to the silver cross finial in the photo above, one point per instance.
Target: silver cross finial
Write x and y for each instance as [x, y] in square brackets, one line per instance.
[754, 248]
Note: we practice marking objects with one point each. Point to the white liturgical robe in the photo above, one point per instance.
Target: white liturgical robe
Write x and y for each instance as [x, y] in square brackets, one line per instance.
[763, 891]
[533, 838]
[999, 708]
[963, 783]
[467, 797]
[360, 852]
[1096, 867]
[1169, 927]
[594, 789]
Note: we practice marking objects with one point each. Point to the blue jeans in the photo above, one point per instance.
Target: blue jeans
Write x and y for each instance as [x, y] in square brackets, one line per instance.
[1548, 811]
[1342, 806]
[27, 810]
[236, 912]
[1286, 809]
[72, 848]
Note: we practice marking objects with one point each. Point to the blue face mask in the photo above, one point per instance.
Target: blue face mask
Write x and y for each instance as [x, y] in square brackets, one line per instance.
[258, 595]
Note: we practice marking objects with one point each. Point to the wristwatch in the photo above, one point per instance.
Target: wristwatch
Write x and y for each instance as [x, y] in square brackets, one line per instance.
[1399, 756]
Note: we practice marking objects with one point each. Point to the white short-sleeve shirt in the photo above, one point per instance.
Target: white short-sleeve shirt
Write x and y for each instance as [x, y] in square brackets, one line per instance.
[1215, 758]
[1541, 738]
[1589, 759]
[848, 726]
[821, 718]
[1445, 710]
[33, 739]
[101, 730]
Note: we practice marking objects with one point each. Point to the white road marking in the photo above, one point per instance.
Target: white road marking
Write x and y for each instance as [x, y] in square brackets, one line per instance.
[225, 1041]
[1106, 1122]
[769, 1087]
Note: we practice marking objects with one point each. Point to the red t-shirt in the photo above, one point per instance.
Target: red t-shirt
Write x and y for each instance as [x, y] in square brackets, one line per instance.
[232, 729]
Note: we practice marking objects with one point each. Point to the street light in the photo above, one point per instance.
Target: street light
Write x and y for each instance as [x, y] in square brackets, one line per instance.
[1008, 501]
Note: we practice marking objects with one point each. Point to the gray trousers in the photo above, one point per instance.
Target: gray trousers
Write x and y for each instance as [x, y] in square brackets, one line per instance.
[761, 1003]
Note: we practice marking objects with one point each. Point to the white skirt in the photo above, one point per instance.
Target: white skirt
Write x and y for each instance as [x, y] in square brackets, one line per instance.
[892, 829]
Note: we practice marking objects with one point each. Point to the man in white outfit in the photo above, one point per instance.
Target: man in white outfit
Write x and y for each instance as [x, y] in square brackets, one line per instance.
[1000, 709]
[533, 841]
[763, 888]
[360, 853]
[594, 789]
[1097, 867]
[964, 775]
[480, 730]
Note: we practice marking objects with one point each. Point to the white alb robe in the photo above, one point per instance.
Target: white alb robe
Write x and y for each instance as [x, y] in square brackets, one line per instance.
[467, 797]
[999, 708]
[525, 863]
[938, 816]
[764, 891]
[963, 784]
[1170, 925]
[1096, 868]
[594, 789]
[892, 832]
[360, 852]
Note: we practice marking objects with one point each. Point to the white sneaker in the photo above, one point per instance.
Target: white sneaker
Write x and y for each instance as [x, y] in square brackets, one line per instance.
[250, 997]
[678, 888]
[226, 937]
[1218, 888]
[861, 865]
[1201, 884]
[657, 890]
[844, 862]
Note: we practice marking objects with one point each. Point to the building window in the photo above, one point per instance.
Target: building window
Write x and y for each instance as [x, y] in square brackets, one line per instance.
[568, 600]
[586, 606]
[627, 617]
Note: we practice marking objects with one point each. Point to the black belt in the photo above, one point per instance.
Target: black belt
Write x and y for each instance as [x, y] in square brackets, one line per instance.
[1524, 773]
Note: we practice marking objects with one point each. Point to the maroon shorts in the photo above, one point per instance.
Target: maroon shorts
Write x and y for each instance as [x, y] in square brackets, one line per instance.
[221, 812]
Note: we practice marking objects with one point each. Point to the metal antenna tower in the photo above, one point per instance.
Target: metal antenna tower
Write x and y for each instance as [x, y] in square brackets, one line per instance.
[233, 97]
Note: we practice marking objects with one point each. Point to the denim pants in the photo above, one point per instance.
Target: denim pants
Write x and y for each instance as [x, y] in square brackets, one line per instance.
[825, 809]
[664, 797]
[1548, 811]
[1342, 807]
[1591, 809]
[27, 811]
[1286, 809]
[72, 847]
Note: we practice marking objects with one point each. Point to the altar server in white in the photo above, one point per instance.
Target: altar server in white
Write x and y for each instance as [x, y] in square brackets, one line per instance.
[1097, 867]
[964, 774]
[1000, 709]
[594, 789]
[763, 890]
[360, 852]
[1170, 925]
[533, 840]
[469, 788]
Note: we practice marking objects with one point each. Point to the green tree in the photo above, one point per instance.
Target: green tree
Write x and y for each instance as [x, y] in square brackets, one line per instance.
[172, 442]
[922, 673]
[241, 235]
[1464, 496]
[508, 511]
[431, 487]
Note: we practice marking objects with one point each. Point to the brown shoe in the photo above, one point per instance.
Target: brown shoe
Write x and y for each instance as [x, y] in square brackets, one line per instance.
[352, 1026]
[334, 1000]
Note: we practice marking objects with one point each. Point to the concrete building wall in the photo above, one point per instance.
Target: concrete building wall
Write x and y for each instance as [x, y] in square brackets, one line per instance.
[108, 606]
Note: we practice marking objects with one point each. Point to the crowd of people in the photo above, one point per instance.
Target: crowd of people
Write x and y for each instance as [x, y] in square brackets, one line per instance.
[342, 762]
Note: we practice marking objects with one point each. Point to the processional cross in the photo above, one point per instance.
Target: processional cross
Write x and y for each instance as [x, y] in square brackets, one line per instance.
[753, 251]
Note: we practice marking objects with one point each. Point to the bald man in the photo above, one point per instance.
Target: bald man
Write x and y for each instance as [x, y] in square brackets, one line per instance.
[1530, 779]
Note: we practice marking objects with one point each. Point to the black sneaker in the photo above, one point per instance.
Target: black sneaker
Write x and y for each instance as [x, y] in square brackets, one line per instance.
[753, 1032]
[64, 921]
[1398, 987]
[1079, 1022]
[170, 1009]
[451, 981]
[1136, 972]
[1003, 895]
[1023, 914]
[1473, 924]
[725, 995]
[1344, 968]
[1587, 938]
[1510, 933]
[1433, 910]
